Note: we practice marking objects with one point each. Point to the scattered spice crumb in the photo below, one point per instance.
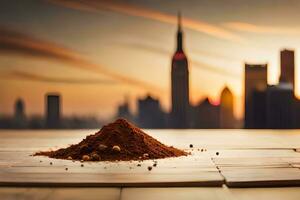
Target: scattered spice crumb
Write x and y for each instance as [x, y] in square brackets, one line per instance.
[217, 153]
[191, 145]
[66, 169]
[139, 165]
[82, 165]
[85, 158]
[149, 168]
[51, 163]
[145, 155]
[116, 148]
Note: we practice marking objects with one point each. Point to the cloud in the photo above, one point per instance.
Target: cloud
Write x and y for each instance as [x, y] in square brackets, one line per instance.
[19, 75]
[252, 28]
[138, 11]
[76, 5]
[193, 63]
[13, 42]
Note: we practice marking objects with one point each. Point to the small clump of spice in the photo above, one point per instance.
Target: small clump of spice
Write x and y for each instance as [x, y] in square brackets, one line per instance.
[119, 140]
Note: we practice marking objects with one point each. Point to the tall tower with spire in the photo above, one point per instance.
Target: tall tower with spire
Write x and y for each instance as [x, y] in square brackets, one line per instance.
[180, 84]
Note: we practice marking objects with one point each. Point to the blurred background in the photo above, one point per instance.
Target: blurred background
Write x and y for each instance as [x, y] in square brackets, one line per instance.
[158, 63]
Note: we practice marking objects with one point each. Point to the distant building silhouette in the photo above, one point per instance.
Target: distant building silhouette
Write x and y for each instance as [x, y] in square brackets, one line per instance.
[150, 114]
[19, 110]
[259, 107]
[206, 115]
[19, 114]
[287, 66]
[180, 84]
[275, 106]
[226, 109]
[296, 113]
[53, 111]
[280, 101]
[255, 80]
[124, 111]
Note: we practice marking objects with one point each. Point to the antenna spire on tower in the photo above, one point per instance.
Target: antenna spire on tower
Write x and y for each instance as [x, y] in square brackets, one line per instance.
[179, 20]
[179, 33]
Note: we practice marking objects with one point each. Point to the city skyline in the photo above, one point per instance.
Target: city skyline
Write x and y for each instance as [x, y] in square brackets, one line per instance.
[266, 106]
[141, 52]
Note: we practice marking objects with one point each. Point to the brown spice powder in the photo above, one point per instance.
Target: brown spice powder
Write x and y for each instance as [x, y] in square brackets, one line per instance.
[119, 140]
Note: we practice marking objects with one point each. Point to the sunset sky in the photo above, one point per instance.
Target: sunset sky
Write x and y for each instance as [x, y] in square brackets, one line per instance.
[97, 52]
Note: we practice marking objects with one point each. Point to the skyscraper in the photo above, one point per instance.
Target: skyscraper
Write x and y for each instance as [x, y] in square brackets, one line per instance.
[255, 80]
[52, 110]
[180, 84]
[205, 115]
[280, 106]
[287, 66]
[19, 110]
[226, 109]
[124, 110]
[150, 114]
[19, 115]
[259, 107]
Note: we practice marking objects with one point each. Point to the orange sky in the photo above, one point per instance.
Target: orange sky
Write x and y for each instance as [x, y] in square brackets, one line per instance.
[96, 52]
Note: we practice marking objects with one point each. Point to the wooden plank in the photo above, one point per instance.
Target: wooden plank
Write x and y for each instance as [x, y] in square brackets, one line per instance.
[254, 153]
[110, 180]
[27, 170]
[223, 168]
[251, 161]
[11, 193]
[262, 177]
[278, 193]
[176, 193]
[24, 163]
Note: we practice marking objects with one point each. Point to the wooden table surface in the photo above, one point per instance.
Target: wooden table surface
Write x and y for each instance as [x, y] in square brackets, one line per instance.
[252, 164]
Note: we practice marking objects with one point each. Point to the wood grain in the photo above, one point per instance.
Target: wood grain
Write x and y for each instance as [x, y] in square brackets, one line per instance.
[109, 180]
[272, 177]
[13, 193]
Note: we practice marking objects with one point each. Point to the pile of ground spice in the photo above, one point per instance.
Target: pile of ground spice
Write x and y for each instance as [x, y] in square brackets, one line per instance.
[120, 140]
